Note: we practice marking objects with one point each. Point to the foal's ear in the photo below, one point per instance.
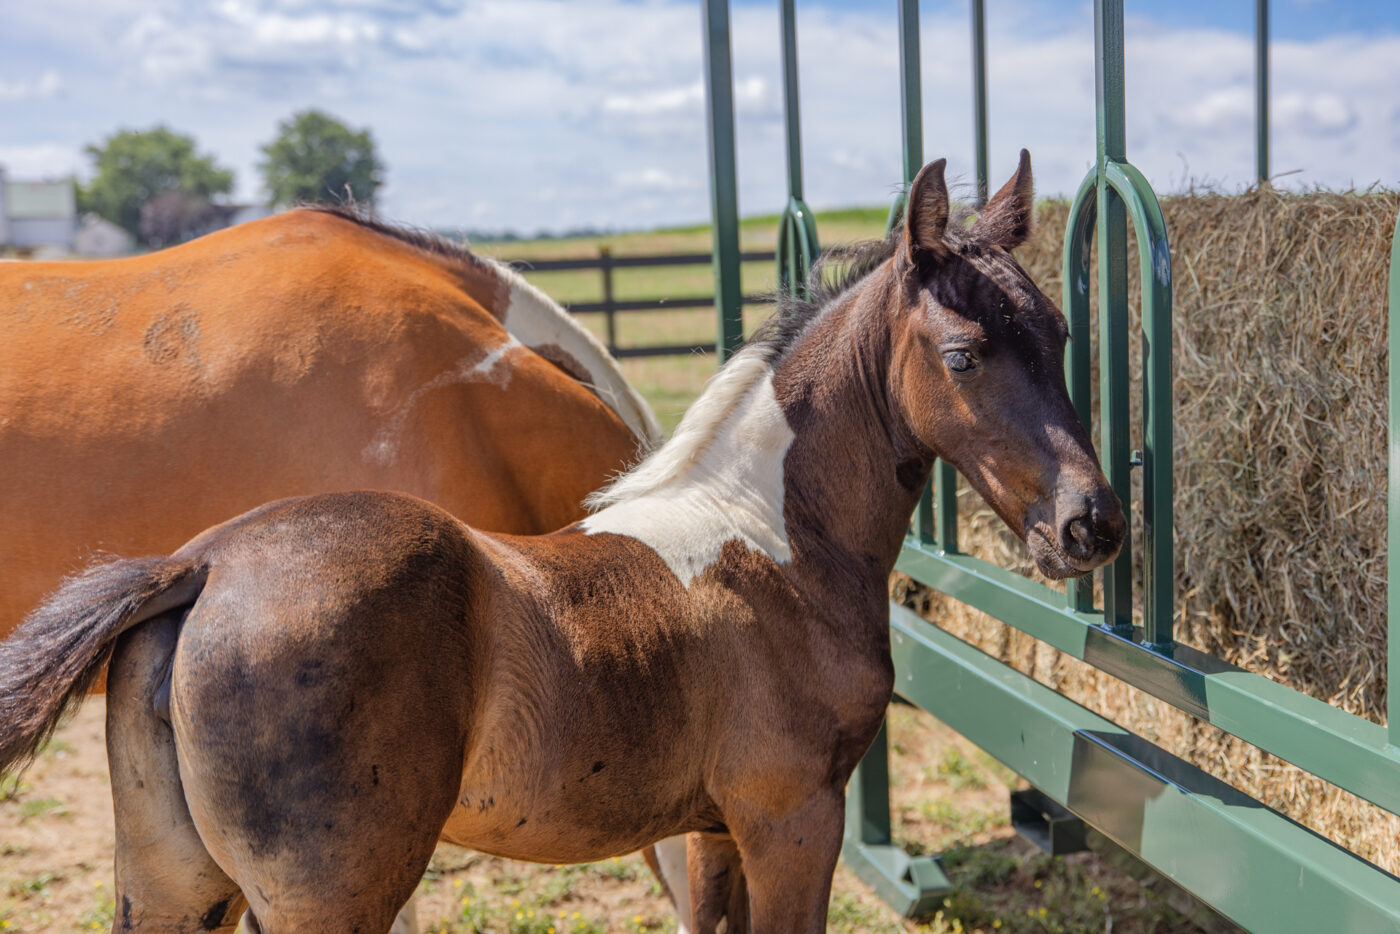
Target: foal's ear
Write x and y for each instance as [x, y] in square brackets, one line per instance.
[1006, 220]
[928, 212]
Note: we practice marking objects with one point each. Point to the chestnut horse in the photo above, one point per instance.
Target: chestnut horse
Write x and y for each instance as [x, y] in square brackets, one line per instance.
[305, 699]
[144, 399]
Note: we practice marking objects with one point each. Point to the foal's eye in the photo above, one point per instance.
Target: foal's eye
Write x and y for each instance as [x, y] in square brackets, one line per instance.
[960, 361]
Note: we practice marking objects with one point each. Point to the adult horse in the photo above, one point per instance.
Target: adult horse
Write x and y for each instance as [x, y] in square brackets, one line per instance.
[144, 399]
[306, 698]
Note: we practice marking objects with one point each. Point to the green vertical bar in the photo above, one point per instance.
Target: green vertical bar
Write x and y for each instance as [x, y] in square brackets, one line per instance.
[790, 101]
[1393, 498]
[1113, 297]
[868, 795]
[910, 92]
[1075, 276]
[797, 231]
[719, 92]
[1261, 90]
[945, 478]
[979, 94]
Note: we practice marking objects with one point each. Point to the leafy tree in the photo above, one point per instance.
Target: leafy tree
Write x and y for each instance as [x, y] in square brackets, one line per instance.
[315, 157]
[174, 216]
[133, 166]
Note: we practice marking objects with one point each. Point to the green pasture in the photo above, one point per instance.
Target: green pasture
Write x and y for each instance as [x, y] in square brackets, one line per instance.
[670, 384]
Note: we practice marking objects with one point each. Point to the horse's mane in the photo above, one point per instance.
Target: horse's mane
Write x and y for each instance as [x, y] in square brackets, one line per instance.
[426, 240]
[831, 275]
[746, 370]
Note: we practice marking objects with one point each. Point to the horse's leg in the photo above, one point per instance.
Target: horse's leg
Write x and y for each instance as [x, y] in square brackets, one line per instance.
[717, 887]
[789, 855]
[407, 920]
[166, 879]
[667, 861]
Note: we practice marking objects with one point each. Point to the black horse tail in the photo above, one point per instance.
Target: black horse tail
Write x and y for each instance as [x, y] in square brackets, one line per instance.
[48, 665]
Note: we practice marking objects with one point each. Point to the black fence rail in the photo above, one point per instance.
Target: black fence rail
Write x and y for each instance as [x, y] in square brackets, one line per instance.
[609, 307]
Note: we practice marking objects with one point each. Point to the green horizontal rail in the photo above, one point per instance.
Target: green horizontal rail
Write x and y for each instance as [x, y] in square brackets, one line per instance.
[1346, 750]
[1252, 864]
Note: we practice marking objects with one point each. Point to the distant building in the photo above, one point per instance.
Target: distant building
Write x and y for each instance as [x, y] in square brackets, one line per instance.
[98, 236]
[37, 215]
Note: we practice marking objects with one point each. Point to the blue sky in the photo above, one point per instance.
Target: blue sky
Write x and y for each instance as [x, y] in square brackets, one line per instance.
[550, 114]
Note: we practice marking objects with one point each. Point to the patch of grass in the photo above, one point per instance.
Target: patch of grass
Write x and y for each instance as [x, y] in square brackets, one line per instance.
[849, 915]
[11, 787]
[100, 916]
[959, 771]
[35, 886]
[620, 870]
[55, 748]
[43, 807]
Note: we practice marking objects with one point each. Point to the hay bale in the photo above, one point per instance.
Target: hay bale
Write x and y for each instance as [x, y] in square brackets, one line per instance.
[1280, 443]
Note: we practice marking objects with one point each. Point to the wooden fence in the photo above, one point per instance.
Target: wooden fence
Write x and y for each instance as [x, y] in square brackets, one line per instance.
[606, 263]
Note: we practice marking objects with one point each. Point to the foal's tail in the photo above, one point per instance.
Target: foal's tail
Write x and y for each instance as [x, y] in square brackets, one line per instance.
[50, 662]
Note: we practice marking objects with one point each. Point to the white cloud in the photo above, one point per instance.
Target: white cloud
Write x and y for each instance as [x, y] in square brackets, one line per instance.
[40, 161]
[483, 108]
[45, 87]
[685, 98]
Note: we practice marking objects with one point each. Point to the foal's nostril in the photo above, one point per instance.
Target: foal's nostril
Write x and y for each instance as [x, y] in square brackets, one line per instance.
[1078, 537]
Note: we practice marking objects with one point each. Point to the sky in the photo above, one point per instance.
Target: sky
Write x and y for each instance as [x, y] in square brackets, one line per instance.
[548, 115]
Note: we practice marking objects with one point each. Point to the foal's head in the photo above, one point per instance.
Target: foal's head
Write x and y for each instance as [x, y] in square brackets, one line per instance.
[978, 370]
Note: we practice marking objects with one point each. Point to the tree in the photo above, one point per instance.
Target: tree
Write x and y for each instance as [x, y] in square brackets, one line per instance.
[133, 166]
[316, 157]
[175, 216]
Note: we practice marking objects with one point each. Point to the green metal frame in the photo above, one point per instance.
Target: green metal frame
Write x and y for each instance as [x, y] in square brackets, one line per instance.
[1243, 859]
[1261, 91]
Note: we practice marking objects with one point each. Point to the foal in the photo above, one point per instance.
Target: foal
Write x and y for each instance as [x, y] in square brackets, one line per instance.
[305, 699]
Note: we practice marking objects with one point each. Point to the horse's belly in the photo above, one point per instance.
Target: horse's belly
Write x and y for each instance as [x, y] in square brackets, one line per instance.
[573, 826]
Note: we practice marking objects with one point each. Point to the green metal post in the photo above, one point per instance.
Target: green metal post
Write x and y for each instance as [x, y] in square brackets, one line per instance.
[1261, 90]
[1393, 500]
[790, 100]
[724, 190]
[945, 478]
[979, 94]
[1113, 297]
[797, 230]
[1075, 274]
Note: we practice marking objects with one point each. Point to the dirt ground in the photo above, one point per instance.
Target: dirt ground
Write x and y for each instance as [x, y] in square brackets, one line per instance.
[56, 842]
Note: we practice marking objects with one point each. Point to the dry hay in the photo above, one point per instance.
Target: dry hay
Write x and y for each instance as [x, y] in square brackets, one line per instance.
[1280, 449]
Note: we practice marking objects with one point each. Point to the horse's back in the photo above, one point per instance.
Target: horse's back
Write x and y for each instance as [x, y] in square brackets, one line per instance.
[146, 398]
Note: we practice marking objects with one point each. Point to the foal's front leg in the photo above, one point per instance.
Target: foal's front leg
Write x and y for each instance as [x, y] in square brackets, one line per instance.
[717, 889]
[789, 855]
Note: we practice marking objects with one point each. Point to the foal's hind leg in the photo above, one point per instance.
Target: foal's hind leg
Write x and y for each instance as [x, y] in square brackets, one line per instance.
[166, 879]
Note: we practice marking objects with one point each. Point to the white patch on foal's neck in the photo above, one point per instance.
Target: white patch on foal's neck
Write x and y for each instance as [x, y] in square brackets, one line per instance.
[719, 479]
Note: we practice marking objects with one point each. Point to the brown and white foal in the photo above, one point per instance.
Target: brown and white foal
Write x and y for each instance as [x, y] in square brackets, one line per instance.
[305, 699]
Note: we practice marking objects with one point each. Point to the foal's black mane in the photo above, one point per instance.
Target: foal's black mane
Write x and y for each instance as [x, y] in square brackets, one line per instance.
[833, 273]
[840, 268]
[425, 240]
